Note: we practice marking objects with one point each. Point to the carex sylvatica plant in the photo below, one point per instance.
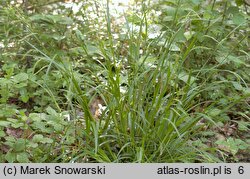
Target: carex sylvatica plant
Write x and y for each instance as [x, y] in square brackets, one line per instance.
[157, 83]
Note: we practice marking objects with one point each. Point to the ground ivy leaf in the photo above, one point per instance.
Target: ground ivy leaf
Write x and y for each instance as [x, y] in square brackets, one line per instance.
[47, 140]
[2, 133]
[237, 86]
[238, 19]
[214, 112]
[4, 123]
[10, 157]
[37, 138]
[19, 145]
[22, 158]
[21, 77]
[51, 111]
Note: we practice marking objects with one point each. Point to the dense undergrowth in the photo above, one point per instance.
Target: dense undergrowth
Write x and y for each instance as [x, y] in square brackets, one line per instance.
[162, 81]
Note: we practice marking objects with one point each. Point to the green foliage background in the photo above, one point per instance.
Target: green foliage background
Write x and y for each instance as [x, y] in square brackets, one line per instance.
[173, 78]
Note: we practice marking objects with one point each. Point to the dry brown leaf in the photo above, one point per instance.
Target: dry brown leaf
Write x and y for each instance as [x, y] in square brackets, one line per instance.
[17, 133]
[95, 107]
